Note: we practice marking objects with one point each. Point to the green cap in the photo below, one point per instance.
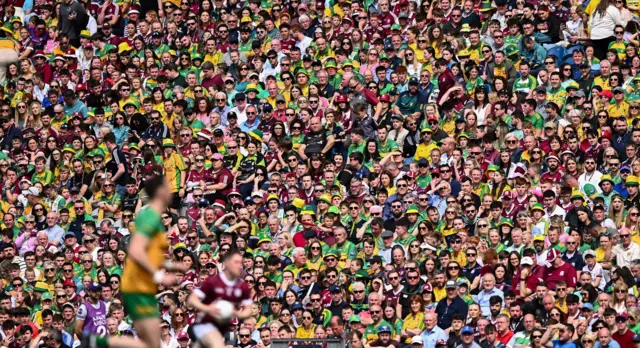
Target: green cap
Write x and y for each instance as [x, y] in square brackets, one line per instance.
[537, 206]
[41, 287]
[256, 134]
[307, 210]
[354, 319]
[68, 148]
[590, 190]
[506, 222]
[333, 210]
[396, 27]
[633, 98]
[511, 50]
[412, 209]
[361, 274]
[493, 168]
[426, 129]
[263, 240]
[331, 253]
[47, 296]
[576, 195]
[330, 64]
[605, 178]
[572, 85]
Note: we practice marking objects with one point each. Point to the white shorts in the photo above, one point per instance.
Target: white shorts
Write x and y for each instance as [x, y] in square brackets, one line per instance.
[201, 330]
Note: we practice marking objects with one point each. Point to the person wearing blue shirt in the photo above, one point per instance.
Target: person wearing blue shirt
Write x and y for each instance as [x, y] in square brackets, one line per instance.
[73, 105]
[565, 337]
[482, 299]
[604, 339]
[432, 332]
[252, 121]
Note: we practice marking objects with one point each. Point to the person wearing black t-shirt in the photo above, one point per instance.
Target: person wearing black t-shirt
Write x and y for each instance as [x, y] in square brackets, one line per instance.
[117, 166]
[81, 179]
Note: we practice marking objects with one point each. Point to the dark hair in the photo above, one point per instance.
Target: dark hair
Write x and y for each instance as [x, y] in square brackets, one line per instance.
[153, 184]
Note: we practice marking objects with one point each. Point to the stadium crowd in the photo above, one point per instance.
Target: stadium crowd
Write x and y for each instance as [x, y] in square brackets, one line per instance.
[395, 173]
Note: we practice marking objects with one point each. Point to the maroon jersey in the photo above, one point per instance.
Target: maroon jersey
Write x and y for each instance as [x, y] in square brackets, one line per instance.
[196, 176]
[219, 287]
[225, 176]
[555, 177]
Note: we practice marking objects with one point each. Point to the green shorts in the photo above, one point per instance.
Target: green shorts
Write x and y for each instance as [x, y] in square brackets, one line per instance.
[140, 306]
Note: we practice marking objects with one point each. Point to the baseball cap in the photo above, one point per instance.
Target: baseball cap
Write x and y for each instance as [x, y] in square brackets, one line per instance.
[526, 261]
[552, 255]
[375, 209]
[588, 306]
[387, 234]
[451, 284]
[416, 340]
[384, 328]
[467, 330]
[589, 253]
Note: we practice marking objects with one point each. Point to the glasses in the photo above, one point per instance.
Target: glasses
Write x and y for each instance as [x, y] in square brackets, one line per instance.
[471, 254]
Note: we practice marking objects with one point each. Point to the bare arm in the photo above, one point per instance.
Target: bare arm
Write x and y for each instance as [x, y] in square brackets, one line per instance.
[330, 141]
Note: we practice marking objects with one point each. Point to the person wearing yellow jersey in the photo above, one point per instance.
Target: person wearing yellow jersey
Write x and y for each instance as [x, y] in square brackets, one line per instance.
[603, 79]
[8, 51]
[426, 145]
[174, 168]
[620, 108]
[556, 93]
[619, 45]
[144, 271]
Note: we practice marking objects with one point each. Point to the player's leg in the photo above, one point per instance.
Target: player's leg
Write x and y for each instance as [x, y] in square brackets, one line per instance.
[147, 330]
[213, 339]
[94, 341]
[207, 336]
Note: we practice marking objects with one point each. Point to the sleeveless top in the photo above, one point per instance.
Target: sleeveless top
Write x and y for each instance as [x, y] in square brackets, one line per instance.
[96, 321]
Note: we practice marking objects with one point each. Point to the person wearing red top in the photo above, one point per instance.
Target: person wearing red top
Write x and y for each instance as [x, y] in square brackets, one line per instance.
[623, 335]
[504, 334]
[554, 173]
[446, 79]
[559, 270]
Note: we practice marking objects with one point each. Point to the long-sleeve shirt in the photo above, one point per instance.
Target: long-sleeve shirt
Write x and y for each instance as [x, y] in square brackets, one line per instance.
[602, 25]
[56, 234]
[26, 242]
[72, 27]
[430, 337]
[483, 297]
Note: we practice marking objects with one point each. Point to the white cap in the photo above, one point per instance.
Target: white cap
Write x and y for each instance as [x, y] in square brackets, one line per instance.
[416, 339]
[526, 261]
[31, 191]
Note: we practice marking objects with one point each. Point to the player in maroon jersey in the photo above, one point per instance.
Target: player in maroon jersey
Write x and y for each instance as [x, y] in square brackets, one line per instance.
[226, 285]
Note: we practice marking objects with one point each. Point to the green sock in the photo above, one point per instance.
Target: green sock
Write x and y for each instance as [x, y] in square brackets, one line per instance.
[102, 341]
